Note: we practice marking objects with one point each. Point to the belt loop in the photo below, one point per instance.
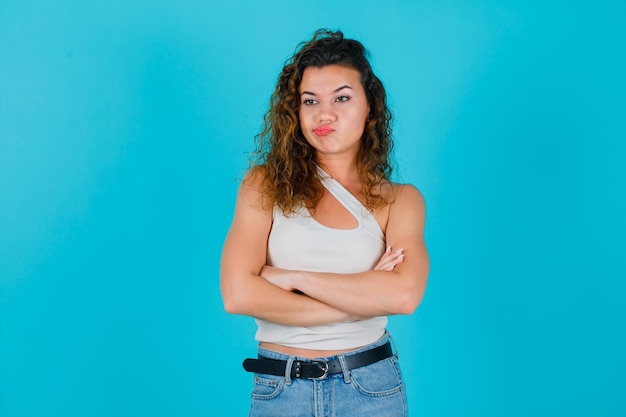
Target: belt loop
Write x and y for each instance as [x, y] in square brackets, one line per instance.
[288, 370]
[347, 376]
[393, 343]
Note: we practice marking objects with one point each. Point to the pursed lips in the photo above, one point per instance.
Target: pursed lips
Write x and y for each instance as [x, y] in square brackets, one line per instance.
[323, 130]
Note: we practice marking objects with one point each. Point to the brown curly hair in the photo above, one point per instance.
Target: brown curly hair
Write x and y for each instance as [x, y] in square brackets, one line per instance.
[287, 159]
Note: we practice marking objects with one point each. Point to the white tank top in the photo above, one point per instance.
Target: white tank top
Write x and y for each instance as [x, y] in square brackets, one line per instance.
[299, 242]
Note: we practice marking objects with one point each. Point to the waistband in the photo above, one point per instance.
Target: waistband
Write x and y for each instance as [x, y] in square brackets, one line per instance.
[278, 364]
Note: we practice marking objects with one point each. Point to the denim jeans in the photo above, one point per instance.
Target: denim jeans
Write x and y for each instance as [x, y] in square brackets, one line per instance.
[373, 390]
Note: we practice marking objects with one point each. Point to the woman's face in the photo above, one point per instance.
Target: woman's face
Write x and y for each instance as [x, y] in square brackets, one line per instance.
[333, 109]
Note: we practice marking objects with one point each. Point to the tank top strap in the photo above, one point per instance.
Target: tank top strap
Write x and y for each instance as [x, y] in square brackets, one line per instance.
[350, 202]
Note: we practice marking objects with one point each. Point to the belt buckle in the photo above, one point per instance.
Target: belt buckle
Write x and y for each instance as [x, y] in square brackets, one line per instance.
[324, 366]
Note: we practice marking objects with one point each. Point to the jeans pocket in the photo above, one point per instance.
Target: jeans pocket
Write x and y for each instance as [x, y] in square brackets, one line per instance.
[380, 379]
[267, 387]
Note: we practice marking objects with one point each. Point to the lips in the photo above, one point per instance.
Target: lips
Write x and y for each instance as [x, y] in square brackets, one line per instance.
[323, 130]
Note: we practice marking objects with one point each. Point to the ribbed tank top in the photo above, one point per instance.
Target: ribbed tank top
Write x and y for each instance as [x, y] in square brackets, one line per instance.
[299, 242]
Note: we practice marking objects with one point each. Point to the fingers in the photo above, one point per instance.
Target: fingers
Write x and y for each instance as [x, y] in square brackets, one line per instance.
[390, 259]
[396, 258]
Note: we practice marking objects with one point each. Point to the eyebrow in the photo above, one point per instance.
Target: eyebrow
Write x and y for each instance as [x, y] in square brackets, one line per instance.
[334, 91]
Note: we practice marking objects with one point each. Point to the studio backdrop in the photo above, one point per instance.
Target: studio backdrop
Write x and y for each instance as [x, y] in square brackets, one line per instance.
[125, 128]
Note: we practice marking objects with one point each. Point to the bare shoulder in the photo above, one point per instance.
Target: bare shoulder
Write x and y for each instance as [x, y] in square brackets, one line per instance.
[251, 189]
[254, 179]
[407, 197]
[407, 216]
[252, 220]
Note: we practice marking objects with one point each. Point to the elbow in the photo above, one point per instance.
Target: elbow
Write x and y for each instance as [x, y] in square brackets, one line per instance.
[233, 298]
[230, 306]
[239, 294]
[412, 294]
[409, 302]
[233, 303]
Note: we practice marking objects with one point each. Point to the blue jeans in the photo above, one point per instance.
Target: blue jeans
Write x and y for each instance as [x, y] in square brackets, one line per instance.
[373, 390]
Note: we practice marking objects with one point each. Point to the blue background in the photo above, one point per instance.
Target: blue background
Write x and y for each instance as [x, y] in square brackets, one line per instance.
[124, 130]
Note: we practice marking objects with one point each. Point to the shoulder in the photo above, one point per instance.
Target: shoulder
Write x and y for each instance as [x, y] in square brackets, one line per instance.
[393, 192]
[254, 179]
[252, 188]
[407, 192]
[407, 199]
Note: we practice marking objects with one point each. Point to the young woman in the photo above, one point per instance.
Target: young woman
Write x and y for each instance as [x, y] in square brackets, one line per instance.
[323, 246]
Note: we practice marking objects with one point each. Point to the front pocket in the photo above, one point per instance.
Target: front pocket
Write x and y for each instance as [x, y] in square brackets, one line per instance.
[380, 379]
[267, 387]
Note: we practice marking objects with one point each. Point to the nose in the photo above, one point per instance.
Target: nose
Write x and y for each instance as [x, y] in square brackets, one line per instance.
[327, 113]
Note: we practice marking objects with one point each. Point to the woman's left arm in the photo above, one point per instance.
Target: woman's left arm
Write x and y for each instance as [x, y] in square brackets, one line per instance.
[377, 292]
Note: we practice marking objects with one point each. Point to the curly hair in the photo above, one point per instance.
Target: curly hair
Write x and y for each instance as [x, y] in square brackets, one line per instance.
[288, 160]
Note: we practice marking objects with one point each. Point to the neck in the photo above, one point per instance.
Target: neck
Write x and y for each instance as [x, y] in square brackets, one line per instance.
[342, 170]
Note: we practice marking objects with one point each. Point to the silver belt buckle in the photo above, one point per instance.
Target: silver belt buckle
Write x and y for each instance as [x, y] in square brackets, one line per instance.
[324, 365]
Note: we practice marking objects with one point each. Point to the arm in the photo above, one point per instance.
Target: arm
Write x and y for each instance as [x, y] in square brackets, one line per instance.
[377, 292]
[244, 255]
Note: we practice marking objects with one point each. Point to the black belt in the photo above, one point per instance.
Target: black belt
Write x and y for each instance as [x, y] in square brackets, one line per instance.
[317, 368]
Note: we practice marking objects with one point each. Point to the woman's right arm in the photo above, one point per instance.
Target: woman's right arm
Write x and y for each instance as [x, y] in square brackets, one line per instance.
[244, 255]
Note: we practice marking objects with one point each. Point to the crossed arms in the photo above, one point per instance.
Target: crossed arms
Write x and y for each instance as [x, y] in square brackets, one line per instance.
[302, 298]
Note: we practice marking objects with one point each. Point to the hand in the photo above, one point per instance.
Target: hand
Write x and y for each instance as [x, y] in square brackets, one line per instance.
[282, 278]
[389, 260]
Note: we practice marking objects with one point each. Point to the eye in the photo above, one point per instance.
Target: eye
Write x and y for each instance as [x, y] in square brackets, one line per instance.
[309, 101]
[342, 99]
